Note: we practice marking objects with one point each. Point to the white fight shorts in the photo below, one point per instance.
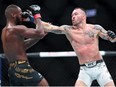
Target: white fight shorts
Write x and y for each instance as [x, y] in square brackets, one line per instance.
[94, 71]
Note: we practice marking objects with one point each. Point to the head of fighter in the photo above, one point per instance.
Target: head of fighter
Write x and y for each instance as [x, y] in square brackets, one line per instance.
[13, 14]
[78, 16]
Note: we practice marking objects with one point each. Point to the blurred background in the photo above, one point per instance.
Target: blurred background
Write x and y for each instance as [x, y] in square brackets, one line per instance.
[64, 71]
[58, 12]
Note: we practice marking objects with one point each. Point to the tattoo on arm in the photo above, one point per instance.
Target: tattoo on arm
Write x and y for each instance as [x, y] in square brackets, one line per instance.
[102, 33]
[62, 29]
[100, 28]
[66, 27]
[30, 42]
[57, 31]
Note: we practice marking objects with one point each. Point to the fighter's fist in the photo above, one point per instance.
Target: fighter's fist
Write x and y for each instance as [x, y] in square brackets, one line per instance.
[111, 34]
[35, 9]
[27, 16]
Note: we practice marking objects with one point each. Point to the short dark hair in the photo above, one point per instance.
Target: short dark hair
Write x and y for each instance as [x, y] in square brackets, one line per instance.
[10, 9]
[81, 9]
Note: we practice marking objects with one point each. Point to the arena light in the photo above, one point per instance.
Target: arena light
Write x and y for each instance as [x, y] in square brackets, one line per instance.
[57, 54]
[63, 54]
[103, 53]
[91, 12]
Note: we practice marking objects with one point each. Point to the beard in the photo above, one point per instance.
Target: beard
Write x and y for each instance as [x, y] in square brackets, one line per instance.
[18, 21]
[76, 23]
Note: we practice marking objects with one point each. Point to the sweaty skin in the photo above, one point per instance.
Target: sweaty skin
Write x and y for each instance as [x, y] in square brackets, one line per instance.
[14, 34]
[13, 45]
[84, 41]
[82, 36]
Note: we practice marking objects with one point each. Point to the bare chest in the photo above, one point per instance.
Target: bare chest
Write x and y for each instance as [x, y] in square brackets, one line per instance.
[82, 37]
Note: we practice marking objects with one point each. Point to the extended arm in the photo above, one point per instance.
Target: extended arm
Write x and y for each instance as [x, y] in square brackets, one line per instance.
[107, 35]
[55, 29]
[47, 27]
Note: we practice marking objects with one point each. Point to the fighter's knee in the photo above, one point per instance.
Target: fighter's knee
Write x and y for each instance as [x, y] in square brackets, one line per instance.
[109, 84]
[80, 84]
[43, 82]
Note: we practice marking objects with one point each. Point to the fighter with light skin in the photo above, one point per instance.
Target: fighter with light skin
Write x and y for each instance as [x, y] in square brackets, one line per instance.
[83, 37]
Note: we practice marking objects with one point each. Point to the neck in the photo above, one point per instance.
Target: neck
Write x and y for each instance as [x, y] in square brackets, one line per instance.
[11, 22]
[80, 26]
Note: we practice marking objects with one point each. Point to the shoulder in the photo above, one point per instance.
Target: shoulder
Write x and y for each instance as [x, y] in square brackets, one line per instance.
[94, 26]
[98, 27]
[17, 28]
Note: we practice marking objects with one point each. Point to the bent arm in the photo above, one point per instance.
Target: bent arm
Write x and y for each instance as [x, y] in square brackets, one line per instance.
[30, 42]
[54, 29]
[104, 34]
[30, 32]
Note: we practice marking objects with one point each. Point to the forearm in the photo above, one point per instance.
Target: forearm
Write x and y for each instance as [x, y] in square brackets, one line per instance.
[52, 28]
[39, 28]
[39, 25]
[30, 42]
[106, 37]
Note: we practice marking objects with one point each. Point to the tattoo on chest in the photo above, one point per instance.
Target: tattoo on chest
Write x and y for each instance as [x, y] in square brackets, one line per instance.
[90, 33]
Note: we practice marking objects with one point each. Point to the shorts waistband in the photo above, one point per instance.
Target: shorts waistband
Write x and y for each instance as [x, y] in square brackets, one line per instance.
[92, 64]
[14, 63]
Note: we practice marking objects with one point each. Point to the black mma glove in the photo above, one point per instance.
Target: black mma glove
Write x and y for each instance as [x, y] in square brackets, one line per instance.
[27, 15]
[111, 34]
[35, 9]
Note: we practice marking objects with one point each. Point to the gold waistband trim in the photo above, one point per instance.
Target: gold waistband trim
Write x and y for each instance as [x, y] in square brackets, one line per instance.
[14, 63]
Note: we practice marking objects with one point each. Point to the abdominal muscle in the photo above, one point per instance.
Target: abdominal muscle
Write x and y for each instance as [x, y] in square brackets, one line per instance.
[87, 53]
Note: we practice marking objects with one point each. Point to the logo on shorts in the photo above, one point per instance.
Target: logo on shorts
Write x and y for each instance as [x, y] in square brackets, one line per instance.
[40, 75]
[92, 64]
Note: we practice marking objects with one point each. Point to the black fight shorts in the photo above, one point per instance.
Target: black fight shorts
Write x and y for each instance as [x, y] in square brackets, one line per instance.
[21, 74]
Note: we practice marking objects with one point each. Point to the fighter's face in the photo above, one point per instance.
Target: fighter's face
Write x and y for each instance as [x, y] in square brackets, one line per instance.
[77, 17]
[18, 17]
[18, 21]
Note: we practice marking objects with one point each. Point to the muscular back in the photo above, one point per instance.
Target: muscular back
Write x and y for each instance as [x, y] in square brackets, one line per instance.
[13, 45]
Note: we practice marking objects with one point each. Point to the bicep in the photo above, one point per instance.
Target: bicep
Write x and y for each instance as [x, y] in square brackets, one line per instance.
[101, 32]
[26, 32]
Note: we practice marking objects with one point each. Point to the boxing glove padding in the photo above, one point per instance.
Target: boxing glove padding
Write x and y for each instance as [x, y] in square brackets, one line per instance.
[35, 9]
[111, 34]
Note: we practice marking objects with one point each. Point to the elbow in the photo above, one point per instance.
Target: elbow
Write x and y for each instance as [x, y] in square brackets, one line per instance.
[41, 35]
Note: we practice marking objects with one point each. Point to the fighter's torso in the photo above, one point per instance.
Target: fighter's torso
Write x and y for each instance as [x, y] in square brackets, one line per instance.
[13, 45]
[85, 43]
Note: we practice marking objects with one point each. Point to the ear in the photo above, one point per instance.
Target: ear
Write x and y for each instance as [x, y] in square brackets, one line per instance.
[13, 15]
[84, 17]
